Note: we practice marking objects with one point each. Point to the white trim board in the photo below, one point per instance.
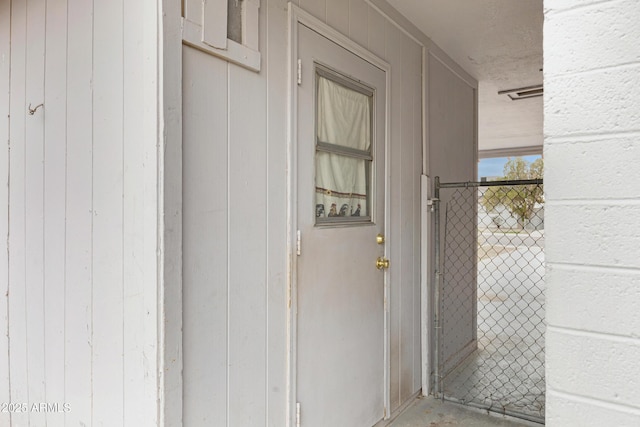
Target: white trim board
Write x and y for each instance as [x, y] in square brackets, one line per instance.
[425, 298]
[170, 398]
[235, 53]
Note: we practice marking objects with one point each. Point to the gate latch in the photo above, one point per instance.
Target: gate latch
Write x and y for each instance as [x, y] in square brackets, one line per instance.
[431, 203]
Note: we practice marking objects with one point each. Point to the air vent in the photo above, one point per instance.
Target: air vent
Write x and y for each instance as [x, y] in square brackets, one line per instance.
[523, 92]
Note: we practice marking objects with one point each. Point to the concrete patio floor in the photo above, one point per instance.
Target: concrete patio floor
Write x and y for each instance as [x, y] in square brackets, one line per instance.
[430, 412]
[507, 369]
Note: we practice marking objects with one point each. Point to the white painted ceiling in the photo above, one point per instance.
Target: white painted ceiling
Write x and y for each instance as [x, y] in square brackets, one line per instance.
[499, 42]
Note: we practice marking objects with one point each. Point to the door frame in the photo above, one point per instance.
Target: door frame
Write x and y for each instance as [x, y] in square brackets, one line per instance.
[297, 16]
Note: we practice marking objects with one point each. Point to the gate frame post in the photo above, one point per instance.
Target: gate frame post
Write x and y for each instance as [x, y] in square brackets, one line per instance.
[437, 387]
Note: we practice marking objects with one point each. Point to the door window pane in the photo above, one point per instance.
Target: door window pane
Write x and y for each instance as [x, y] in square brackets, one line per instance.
[344, 115]
[341, 186]
[343, 150]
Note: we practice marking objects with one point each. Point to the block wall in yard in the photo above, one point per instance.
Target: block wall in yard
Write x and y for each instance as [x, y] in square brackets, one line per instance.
[592, 181]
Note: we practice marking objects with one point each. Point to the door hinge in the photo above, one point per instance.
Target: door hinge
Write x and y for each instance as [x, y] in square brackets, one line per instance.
[298, 414]
[299, 71]
[298, 243]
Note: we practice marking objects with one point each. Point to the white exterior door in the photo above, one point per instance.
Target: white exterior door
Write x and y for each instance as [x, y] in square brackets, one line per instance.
[340, 212]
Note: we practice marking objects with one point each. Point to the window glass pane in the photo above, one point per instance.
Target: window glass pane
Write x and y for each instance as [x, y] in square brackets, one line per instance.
[234, 20]
[341, 186]
[343, 151]
[344, 115]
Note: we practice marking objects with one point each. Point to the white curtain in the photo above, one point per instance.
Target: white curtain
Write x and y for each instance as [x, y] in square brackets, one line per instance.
[344, 118]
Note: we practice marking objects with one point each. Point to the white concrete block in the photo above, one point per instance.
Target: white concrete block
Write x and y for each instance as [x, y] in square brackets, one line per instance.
[593, 234]
[599, 169]
[592, 106]
[593, 37]
[594, 366]
[559, 6]
[605, 301]
[562, 411]
[598, 102]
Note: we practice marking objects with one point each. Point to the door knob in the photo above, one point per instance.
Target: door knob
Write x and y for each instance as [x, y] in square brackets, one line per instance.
[382, 263]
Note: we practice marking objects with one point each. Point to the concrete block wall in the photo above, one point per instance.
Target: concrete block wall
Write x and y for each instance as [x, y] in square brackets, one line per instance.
[592, 184]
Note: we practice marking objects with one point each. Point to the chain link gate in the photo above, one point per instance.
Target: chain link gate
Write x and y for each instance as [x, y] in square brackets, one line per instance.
[489, 293]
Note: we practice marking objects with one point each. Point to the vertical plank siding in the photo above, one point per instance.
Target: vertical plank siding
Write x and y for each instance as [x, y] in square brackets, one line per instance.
[317, 8]
[417, 159]
[167, 310]
[247, 248]
[273, 21]
[80, 274]
[205, 239]
[55, 93]
[81, 263]
[407, 176]
[376, 26]
[18, 308]
[5, 68]
[79, 198]
[358, 24]
[133, 184]
[452, 115]
[140, 208]
[107, 263]
[234, 222]
[224, 240]
[33, 207]
[394, 56]
[338, 15]
[153, 224]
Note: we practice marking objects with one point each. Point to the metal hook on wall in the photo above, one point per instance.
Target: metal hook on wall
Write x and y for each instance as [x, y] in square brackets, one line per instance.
[32, 111]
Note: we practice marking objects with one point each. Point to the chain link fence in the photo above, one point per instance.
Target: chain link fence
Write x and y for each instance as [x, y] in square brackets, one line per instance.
[490, 296]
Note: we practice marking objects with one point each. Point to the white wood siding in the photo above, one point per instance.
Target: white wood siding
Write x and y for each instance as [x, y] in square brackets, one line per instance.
[225, 239]
[78, 194]
[234, 211]
[205, 237]
[169, 390]
[235, 276]
[80, 274]
[80, 299]
[452, 131]
[5, 68]
[55, 84]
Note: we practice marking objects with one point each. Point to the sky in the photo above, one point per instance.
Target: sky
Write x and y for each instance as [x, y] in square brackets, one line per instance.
[495, 166]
